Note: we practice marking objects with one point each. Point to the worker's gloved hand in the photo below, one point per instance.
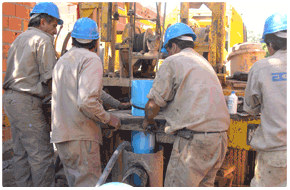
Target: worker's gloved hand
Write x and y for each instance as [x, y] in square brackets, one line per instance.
[125, 106]
[149, 125]
[114, 122]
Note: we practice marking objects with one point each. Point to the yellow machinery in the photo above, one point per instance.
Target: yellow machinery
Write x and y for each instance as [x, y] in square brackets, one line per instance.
[129, 51]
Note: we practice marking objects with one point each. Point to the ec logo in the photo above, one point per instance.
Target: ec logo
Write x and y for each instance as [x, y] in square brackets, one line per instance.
[279, 76]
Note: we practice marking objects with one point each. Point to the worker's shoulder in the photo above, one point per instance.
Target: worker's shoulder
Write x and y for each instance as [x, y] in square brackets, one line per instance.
[38, 35]
[276, 60]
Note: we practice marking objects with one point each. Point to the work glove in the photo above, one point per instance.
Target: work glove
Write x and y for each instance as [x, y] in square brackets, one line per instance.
[149, 125]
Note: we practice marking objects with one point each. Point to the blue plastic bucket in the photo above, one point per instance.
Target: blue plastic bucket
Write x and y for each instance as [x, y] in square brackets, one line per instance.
[139, 91]
[141, 143]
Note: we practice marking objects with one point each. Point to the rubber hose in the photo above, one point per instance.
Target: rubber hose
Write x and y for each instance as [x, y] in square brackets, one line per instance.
[112, 161]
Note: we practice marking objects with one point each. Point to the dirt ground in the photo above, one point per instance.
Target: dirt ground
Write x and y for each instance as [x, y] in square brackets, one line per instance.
[8, 179]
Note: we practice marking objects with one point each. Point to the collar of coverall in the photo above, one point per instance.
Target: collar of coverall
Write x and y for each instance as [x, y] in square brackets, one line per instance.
[185, 38]
[83, 41]
[281, 34]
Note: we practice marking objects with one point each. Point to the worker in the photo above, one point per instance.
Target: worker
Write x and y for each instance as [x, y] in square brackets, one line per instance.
[77, 109]
[266, 93]
[189, 92]
[30, 61]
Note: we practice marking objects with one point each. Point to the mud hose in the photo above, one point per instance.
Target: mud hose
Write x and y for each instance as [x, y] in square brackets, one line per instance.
[112, 161]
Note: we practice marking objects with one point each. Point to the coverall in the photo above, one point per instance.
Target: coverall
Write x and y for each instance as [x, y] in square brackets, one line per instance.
[266, 93]
[30, 62]
[189, 92]
[77, 111]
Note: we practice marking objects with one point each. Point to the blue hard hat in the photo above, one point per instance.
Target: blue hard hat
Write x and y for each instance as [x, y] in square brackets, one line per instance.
[115, 184]
[275, 23]
[48, 8]
[85, 28]
[176, 30]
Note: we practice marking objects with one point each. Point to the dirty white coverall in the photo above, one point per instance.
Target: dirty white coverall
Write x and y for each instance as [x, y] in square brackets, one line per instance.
[76, 110]
[30, 62]
[189, 92]
[266, 93]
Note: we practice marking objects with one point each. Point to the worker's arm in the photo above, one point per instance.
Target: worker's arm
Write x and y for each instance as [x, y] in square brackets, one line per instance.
[46, 59]
[151, 110]
[162, 91]
[252, 100]
[89, 93]
[111, 101]
[108, 99]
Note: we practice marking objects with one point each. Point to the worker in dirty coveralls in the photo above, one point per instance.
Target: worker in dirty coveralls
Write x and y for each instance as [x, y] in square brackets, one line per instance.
[189, 92]
[266, 93]
[30, 62]
[77, 109]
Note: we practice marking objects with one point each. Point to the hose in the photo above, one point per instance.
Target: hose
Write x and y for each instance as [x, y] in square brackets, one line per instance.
[112, 161]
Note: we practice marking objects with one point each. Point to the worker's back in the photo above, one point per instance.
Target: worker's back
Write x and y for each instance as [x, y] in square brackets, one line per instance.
[270, 77]
[197, 100]
[68, 121]
[31, 58]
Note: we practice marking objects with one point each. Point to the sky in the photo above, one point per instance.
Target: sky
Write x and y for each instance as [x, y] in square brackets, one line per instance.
[254, 12]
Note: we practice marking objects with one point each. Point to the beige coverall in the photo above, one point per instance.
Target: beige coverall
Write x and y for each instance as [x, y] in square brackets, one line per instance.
[266, 93]
[77, 111]
[188, 90]
[30, 62]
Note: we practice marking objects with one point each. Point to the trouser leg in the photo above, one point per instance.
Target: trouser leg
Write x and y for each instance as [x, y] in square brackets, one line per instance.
[209, 178]
[41, 160]
[33, 134]
[40, 150]
[21, 166]
[270, 169]
[195, 163]
[81, 161]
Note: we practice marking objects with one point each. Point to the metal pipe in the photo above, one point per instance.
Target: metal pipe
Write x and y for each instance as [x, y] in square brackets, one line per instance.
[114, 29]
[111, 162]
[154, 19]
[139, 18]
[161, 38]
[97, 16]
[132, 29]
[132, 33]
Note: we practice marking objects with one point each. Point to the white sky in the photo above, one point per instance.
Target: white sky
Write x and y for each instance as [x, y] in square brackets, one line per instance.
[253, 12]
